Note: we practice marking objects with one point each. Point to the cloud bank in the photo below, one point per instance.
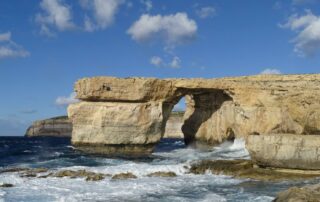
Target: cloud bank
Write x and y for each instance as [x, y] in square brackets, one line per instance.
[307, 27]
[9, 49]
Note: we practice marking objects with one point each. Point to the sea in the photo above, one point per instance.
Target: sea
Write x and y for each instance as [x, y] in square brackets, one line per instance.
[170, 155]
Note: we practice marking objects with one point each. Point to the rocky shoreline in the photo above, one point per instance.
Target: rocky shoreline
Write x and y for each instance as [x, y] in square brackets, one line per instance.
[277, 115]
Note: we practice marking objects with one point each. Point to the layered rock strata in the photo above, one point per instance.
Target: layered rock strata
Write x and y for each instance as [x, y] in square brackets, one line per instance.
[54, 127]
[134, 111]
[285, 151]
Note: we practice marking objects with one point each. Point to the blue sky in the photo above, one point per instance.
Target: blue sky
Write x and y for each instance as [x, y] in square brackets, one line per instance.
[45, 46]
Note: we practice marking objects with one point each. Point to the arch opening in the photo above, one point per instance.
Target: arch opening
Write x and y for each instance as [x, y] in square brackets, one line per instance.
[198, 117]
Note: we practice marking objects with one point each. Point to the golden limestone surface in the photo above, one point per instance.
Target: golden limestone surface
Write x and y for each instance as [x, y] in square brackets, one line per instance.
[117, 111]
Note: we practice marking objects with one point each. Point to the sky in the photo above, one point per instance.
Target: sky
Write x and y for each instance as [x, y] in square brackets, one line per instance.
[47, 45]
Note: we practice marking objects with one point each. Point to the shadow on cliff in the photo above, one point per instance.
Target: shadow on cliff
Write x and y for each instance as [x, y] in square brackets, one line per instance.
[204, 105]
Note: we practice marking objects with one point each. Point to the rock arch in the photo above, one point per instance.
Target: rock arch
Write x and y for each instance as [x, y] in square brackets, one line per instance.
[131, 113]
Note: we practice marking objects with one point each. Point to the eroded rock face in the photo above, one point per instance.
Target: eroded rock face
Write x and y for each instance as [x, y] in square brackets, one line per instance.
[285, 151]
[134, 111]
[54, 127]
[117, 123]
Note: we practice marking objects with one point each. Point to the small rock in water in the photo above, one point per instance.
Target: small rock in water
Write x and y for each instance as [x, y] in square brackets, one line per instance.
[95, 177]
[162, 174]
[90, 176]
[123, 176]
[12, 170]
[6, 185]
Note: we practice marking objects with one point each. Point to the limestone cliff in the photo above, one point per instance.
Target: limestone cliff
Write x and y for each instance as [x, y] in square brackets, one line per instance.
[117, 111]
[54, 127]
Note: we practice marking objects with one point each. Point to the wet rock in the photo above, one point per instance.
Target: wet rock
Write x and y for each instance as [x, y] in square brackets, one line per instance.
[95, 177]
[6, 185]
[90, 176]
[124, 176]
[25, 172]
[247, 169]
[13, 170]
[295, 194]
[162, 174]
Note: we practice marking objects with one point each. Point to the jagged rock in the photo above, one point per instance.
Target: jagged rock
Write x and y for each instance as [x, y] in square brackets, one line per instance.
[304, 194]
[95, 177]
[124, 176]
[162, 174]
[6, 185]
[285, 151]
[89, 176]
[53, 127]
[134, 111]
[247, 169]
[174, 125]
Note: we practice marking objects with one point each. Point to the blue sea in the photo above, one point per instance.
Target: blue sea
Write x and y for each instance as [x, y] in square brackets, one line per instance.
[170, 155]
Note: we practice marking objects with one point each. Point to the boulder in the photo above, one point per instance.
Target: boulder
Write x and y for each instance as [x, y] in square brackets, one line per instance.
[285, 151]
[53, 127]
[124, 176]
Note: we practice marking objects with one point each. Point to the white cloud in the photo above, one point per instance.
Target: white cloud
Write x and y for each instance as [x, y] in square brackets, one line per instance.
[271, 71]
[147, 4]
[5, 36]
[173, 29]
[206, 12]
[104, 12]
[55, 14]
[156, 60]
[65, 101]
[307, 41]
[175, 63]
[9, 49]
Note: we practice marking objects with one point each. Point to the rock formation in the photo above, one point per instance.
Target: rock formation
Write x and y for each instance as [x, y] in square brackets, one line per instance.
[285, 151]
[62, 127]
[53, 127]
[134, 111]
